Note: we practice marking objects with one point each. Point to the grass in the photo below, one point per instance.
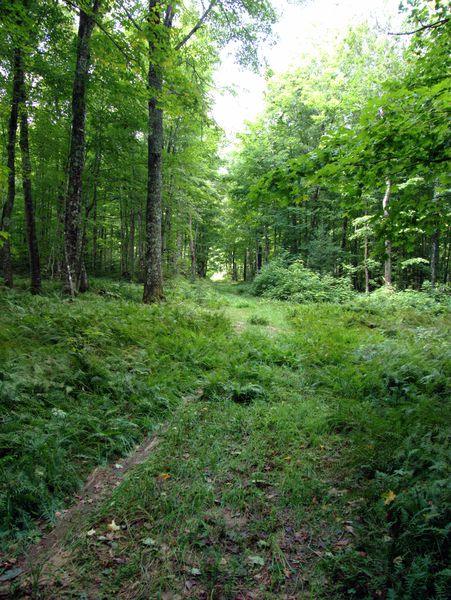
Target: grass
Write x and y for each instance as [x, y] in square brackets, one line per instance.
[314, 464]
[82, 382]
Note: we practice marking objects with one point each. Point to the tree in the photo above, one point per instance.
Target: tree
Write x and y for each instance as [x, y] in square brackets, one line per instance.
[19, 26]
[75, 269]
[258, 16]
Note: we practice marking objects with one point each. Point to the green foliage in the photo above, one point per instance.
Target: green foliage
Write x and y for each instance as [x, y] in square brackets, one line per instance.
[332, 419]
[256, 320]
[333, 130]
[383, 359]
[296, 283]
[82, 382]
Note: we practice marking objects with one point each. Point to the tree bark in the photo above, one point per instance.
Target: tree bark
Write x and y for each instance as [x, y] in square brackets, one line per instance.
[234, 269]
[435, 247]
[72, 225]
[192, 249]
[266, 245]
[153, 272]
[446, 255]
[5, 224]
[367, 273]
[35, 267]
[388, 246]
[131, 245]
[258, 255]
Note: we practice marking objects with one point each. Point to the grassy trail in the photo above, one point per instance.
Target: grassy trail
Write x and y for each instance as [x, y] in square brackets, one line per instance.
[263, 486]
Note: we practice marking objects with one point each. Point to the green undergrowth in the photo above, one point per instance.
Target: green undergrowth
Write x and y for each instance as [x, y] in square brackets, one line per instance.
[82, 382]
[315, 464]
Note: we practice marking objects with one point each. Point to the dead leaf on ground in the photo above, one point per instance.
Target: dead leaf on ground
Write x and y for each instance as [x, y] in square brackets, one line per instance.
[389, 497]
[113, 527]
[189, 584]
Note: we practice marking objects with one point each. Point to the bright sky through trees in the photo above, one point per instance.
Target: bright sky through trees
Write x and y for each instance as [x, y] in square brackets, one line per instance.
[303, 28]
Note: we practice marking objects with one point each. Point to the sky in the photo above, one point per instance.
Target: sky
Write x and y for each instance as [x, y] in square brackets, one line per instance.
[303, 28]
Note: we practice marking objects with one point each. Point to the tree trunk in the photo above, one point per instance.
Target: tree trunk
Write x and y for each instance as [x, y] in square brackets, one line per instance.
[35, 267]
[95, 231]
[258, 255]
[153, 273]
[293, 223]
[367, 273]
[435, 247]
[72, 225]
[192, 250]
[266, 245]
[131, 245]
[5, 224]
[388, 246]
[234, 269]
[446, 255]
[355, 264]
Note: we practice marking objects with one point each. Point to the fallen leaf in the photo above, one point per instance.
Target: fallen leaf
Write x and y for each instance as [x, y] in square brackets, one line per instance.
[91, 532]
[256, 560]
[112, 526]
[11, 574]
[195, 571]
[164, 476]
[343, 543]
[148, 541]
[389, 497]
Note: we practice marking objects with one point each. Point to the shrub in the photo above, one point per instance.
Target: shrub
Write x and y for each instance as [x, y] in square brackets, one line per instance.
[294, 282]
[256, 320]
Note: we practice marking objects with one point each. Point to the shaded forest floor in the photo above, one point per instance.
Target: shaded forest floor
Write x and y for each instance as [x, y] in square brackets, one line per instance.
[299, 450]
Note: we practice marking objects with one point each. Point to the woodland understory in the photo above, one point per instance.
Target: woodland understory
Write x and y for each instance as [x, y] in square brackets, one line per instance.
[282, 433]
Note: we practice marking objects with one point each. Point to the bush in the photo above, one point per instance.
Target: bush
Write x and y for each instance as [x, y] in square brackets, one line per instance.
[294, 282]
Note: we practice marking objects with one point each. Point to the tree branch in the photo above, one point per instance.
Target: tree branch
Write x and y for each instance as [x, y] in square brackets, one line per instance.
[105, 31]
[197, 26]
[130, 17]
[431, 26]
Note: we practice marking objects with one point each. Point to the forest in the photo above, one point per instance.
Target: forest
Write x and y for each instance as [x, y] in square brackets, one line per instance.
[224, 364]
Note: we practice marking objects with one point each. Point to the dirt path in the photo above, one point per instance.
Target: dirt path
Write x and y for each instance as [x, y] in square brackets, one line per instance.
[47, 554]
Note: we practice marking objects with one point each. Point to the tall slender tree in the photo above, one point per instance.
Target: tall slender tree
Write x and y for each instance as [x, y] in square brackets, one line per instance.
[11, 151]
[72, 223]
[33, 250]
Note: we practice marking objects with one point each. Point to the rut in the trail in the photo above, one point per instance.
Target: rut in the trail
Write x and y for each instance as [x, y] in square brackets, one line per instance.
[48, 552]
